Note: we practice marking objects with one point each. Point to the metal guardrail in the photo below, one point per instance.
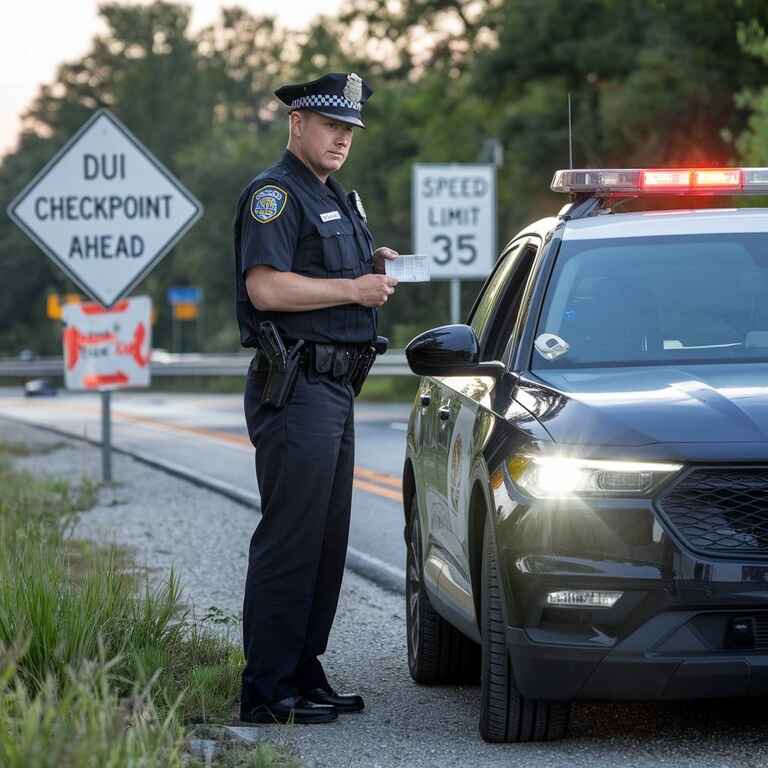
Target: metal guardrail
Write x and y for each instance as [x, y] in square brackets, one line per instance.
[170, 364]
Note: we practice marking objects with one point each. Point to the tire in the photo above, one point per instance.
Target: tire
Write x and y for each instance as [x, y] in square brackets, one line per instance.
[505, 715]
[437, 651]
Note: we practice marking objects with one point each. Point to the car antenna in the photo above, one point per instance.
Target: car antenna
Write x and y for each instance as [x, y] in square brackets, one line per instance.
[570, 134]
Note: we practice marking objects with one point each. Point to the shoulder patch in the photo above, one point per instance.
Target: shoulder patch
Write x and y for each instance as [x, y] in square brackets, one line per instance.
[267, 203]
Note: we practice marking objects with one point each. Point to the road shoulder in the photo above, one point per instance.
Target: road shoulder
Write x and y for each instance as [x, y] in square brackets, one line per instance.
[204, 536]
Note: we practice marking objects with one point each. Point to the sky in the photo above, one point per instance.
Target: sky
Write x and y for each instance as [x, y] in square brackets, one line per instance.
[37, 35]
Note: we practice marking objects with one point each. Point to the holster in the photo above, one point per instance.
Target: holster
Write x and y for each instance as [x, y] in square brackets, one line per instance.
[283, 366]
[365, 361]
[280, 381]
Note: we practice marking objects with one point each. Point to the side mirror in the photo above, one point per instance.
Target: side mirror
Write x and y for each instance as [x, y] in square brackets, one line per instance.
[450, 350]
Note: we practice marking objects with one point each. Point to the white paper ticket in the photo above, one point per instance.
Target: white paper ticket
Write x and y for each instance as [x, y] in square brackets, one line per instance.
[409, 268]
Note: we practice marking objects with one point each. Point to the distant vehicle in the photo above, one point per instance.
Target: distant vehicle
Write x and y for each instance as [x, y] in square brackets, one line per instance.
[40, 388]
[26, 355]
[586, 474]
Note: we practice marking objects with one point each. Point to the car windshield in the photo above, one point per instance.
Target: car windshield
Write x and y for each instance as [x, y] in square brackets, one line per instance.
[656, 300]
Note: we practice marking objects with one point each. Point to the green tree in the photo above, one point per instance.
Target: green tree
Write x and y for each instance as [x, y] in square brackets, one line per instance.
[652, 83]
[753, 141]
[187, 98]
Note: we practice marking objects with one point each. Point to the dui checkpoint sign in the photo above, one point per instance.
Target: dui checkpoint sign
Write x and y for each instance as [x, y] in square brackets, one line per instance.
[106, 349]
[104, 209]
[454, 218]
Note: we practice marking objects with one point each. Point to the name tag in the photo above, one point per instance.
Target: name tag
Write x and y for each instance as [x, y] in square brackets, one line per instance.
[330, 216]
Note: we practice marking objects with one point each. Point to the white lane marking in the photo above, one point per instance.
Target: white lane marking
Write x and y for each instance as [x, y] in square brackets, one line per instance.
[376, 563]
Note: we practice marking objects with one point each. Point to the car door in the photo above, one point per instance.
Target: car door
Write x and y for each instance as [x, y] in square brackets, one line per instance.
[462, 415]
[426, 429]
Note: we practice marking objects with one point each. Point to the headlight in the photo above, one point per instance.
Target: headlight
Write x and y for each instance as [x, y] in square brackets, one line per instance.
[558, 477]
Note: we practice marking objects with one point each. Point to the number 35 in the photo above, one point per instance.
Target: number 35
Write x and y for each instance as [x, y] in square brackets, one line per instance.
[464, 245]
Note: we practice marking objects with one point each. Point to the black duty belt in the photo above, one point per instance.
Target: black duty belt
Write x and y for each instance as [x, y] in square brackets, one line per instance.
[339, 361]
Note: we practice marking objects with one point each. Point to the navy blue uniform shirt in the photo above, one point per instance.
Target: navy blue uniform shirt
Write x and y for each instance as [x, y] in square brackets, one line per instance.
[289, 220]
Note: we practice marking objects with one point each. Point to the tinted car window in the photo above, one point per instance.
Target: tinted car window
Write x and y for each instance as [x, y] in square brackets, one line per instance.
[656, 300]
[496, 311]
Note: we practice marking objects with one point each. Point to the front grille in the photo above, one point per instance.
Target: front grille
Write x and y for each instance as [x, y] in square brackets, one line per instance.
[722, 511]
[761, 632]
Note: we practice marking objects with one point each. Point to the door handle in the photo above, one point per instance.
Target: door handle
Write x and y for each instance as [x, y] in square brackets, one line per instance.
[425, 400]
[445, 412]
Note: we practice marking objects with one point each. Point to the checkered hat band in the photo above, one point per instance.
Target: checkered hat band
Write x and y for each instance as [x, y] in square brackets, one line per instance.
[324, 100]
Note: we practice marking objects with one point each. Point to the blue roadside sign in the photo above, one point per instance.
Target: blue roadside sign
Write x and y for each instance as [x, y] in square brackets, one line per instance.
[184, 294]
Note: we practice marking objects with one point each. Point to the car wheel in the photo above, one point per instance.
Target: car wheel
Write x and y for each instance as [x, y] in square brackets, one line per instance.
[505, 715]
[437, 651]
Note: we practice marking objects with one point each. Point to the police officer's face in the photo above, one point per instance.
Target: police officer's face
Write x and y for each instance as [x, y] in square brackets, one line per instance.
[324, 142]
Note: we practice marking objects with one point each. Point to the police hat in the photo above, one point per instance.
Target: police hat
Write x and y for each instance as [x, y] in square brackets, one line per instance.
[335, 95]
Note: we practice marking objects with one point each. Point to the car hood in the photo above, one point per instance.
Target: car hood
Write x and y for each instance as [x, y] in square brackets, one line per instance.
[712, 404]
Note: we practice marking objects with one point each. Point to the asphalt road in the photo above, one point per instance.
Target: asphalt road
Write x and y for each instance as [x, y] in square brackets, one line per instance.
[205, 435]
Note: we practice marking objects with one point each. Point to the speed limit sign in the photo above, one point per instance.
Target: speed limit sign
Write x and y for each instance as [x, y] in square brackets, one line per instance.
[454, 218]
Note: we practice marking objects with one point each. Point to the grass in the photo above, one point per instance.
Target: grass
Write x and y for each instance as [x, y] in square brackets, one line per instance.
[20, 450]
[236, 755]
[389, 389]
[260, 756]
[83, 723]
[97, 667]
[44, 507]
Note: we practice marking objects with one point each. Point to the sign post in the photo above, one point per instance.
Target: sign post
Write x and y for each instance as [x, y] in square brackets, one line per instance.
[105, 211]
[455, 300]
[185, 304]
[454, 221]
[106, 437]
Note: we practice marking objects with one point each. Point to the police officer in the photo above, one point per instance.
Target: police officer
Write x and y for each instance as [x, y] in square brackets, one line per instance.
[304, 262]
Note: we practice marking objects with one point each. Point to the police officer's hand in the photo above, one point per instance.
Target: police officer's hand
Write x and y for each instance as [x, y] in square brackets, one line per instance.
[382, 255]
[373, 290]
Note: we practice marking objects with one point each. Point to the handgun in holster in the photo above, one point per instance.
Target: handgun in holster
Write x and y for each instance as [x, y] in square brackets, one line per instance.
[365, 362]
[283, 365]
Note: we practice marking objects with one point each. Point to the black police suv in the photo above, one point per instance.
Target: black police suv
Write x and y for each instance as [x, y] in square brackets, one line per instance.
[586, 475]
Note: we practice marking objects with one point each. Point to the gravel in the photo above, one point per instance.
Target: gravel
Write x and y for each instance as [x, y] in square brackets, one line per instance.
[168, 522]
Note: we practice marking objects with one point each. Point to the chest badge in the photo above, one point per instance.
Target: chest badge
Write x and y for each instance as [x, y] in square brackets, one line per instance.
[358, 204]
[267, 203]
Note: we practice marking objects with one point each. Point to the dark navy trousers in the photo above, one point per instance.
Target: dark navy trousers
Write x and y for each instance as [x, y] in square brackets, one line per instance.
[304, 465]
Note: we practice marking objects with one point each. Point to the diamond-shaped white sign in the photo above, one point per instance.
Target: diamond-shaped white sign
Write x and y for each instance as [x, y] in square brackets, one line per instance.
[105, 209]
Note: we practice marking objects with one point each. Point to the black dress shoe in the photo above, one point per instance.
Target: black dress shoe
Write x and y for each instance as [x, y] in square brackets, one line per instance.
[343, 702]
[295, 710]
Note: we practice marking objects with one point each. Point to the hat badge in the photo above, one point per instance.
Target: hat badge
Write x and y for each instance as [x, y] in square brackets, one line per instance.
[353, 90]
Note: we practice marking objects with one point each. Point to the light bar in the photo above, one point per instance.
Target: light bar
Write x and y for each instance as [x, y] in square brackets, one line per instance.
[583, 598]
[668, 181]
